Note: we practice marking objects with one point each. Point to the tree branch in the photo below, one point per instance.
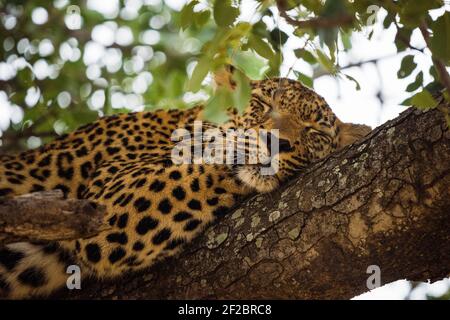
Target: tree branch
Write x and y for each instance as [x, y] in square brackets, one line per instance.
[322, 72]
[316, 23]
[405, 40]
[46, 216]
[384, 201]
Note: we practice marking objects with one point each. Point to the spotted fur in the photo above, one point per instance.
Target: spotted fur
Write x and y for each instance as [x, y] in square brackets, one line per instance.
[154, 206]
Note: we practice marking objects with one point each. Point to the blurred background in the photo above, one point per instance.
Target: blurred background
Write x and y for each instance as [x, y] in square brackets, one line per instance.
[65, 63]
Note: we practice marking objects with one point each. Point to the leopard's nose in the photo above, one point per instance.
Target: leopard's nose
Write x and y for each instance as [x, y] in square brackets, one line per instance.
[284, 146]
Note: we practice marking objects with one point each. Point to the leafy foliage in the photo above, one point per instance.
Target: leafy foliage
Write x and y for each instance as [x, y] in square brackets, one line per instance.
[64, 63]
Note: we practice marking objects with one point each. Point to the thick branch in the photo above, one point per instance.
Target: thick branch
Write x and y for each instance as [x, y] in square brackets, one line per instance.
[46, 216]
[384, 201]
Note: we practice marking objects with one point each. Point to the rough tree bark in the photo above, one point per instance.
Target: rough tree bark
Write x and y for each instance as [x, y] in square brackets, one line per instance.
[47, 216]
[383, 201]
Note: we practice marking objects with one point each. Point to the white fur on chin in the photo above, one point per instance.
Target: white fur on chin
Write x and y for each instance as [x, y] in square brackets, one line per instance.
[253, 178]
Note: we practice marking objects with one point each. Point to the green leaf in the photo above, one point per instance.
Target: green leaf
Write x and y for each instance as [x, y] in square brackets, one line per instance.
[199, 73]
[416, 84]
[402, 38]
[423, 100]
[346, 40]
[435, 86]
[413, 11]
[260, 29]
[300, 32]
[236, 33]
[305, 55]
[224, 13]
[304, 79]
[358, 86]
[440, 42]
[312, 5]
[201, 18]
[407, 67]
[326, 62]
[333, 8]
[291, 4]
[186, 14]
[390, 18]
[278, 37]
[242, 92]
[261, 47]
[433, 73]
[329, 37]
[406, 102]
[252, 65]
[217, 105]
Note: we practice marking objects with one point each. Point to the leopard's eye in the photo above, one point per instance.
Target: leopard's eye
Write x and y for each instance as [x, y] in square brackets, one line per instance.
[264, 105]
[312, 130]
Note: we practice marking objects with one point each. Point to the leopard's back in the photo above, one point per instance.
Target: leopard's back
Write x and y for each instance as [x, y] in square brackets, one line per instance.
[154, 205]
[123, 162]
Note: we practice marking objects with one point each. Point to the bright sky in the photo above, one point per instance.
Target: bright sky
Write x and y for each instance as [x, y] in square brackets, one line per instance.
[349, 104]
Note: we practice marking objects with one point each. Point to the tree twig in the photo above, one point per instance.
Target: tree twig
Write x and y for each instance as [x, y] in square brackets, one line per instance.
[405, 40]
[323, 72]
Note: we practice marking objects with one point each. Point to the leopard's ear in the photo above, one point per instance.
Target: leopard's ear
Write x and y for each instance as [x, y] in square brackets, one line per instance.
[223, 77]
[350, 133]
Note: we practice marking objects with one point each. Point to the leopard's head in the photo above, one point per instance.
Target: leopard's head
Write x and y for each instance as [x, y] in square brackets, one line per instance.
[297, 120]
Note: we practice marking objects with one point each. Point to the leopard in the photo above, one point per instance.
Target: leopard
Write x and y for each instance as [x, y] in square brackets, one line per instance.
[154, 206]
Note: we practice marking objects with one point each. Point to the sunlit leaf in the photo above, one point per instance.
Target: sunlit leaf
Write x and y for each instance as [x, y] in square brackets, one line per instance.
[235, 34]
[423, 100]
[199, 73]
[242, 92]
[252, 65]
[346, 40]
[304, 79]
[215, 109]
